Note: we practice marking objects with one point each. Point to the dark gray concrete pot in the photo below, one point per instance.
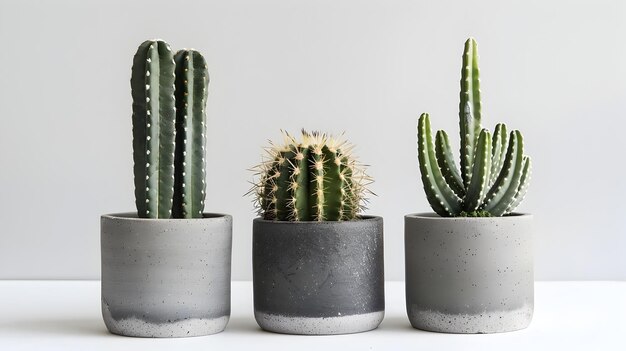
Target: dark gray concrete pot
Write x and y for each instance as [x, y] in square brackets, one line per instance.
[318, 278]
[469, 275]
[165, 277]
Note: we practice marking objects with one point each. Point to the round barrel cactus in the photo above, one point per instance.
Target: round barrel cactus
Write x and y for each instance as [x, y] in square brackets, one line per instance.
[315, 178]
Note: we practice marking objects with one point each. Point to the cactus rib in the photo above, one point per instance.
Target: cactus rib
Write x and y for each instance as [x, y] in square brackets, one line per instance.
[152, 85]
[300, 185]
[333, 185]
[266, 194]
[316, 194]
[350, 203]
[283, 186]
[439, 194]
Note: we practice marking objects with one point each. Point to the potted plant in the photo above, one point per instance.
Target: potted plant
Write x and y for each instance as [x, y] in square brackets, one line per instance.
[317, 263]
[166, 268]
[469, 267]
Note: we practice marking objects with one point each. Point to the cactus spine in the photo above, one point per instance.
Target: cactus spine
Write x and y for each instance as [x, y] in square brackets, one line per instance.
[192, 81]
[169, 97]
[494, 174]
[314, 179]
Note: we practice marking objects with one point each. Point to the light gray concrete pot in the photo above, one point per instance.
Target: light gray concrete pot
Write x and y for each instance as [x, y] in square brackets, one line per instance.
[469, 275]
[318, 278]
[165, 277]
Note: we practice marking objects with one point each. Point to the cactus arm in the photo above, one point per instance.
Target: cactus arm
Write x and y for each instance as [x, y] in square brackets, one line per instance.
[523, 187]
[501, 195]
[439, 194]
[499, 144]
[480, 174]
[333, 185]
[192, 81]
[152, 85]
[316, 183]
[445, 159]
[300, 185]
[469, 108]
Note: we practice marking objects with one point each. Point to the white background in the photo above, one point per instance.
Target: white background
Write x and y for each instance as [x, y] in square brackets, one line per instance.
[554, 69]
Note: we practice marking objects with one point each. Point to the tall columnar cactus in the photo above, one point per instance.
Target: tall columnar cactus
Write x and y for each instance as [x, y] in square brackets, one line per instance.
[192, 81]
[169, 122]
[494, 174]
[312, 179]
[154, 112]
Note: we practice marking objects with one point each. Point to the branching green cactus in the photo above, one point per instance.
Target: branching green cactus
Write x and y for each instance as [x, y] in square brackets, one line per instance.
[169, 97]
[494, 174]
[312, 179]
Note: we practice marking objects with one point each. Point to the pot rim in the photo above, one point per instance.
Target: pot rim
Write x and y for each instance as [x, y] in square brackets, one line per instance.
[364, 218]
[431, 216]
[132, 217]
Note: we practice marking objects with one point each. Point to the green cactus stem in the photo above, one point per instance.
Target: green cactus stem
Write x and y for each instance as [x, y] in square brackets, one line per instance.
[469, 108]
[152, 85]
[500, 140]
[445, 159]
[192, 81]
[523, 187]
[312, 179]
[479, 183]
[503, 192]
[439, 194]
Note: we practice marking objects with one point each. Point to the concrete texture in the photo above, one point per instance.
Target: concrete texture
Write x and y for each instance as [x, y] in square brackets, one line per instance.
[166, 277]
[355, 323]
[469, 275]
[318, 277]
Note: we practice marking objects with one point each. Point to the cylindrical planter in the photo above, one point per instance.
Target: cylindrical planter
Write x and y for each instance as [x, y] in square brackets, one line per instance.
[318, 278]
[166, 277]
[469, 275]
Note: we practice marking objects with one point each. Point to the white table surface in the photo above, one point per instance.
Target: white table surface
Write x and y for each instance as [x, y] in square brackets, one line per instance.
[65, 315]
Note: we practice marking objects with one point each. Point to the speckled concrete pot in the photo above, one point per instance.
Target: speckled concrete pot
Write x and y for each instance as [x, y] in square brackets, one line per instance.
[165, 277]
[318, 278]
[469, 275]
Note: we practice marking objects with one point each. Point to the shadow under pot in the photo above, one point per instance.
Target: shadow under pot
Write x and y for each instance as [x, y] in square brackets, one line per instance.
[165, 277]
[469, 275]
[318, 278]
